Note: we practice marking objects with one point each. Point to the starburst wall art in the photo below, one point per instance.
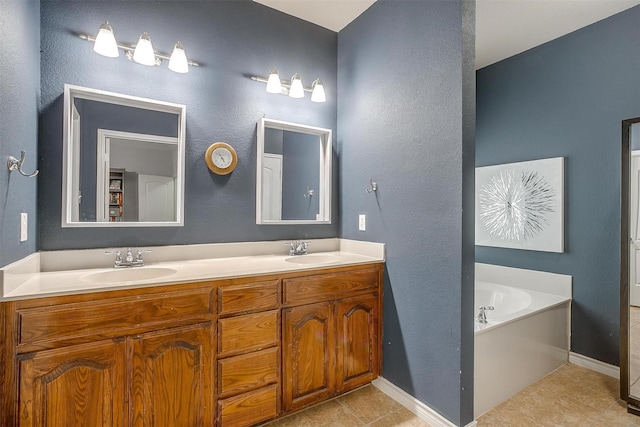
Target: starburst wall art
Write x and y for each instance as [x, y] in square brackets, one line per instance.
[520, 205]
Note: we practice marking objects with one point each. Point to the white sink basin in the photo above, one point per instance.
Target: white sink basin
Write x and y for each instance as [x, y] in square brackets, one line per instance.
[134, 274]
[313, 259]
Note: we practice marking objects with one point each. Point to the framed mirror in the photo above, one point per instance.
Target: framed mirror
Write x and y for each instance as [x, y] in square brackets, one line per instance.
[630, 266]
[293, 176]
[123, 163]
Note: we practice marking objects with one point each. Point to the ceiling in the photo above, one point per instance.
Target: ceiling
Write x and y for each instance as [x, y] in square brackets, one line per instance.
[503, 27]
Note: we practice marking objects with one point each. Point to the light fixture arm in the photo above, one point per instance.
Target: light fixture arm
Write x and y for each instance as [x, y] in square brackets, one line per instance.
[128, 49]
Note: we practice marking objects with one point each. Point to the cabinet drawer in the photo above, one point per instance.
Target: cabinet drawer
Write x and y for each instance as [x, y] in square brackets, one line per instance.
[70, 323]
[249, 408]
[248, 297]
[248, 372]
[250, 332]
[325, 287]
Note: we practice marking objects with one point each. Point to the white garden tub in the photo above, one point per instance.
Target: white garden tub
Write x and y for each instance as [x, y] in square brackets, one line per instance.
[527, 334]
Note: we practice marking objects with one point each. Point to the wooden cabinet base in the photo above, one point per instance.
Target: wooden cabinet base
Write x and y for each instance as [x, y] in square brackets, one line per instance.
[249, 408]
[225, 353]
[81, 385]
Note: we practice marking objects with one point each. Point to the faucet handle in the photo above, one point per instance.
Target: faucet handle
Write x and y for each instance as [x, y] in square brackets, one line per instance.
[128, 255]
[117, 252]
[139, 253]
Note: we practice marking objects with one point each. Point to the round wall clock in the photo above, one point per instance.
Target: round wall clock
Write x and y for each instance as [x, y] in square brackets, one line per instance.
[221, 158]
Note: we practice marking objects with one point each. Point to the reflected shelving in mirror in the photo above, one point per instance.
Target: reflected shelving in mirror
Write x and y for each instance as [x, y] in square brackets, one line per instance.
[293, 161]
[123, 160]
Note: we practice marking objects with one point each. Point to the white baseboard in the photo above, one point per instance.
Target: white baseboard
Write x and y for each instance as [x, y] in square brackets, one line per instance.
[594, 365]
[423, 412]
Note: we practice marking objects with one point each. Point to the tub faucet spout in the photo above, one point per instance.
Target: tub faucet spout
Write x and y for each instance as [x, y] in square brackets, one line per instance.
[482, 316]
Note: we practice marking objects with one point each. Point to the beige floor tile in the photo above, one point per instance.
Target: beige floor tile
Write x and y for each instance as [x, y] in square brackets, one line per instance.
[512, 415]
[617, 415]
[368, 403]
[579, 385]
[401, 418]
[570, 396]
[328, 414]
[634, 353]
[556, 410]
[634, 316]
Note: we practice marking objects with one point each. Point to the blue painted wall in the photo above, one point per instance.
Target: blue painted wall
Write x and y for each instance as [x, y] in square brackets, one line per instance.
[405, 118]
[19, 101]
[568, 98]
[232, 40]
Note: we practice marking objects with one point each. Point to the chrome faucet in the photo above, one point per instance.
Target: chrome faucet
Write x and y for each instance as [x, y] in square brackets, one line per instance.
[129, 259]
[299, 247]
[482, 316]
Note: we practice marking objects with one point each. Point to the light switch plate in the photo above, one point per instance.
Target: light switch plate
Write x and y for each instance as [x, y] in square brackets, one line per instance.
[24, 225]
[362, 222]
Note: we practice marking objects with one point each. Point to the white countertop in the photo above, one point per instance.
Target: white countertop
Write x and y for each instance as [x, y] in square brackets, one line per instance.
[21, 281]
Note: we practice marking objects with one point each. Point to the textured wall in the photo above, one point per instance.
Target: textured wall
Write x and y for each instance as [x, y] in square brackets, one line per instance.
[232, 40]
[19, 102]
[405, 119]
[568, 98]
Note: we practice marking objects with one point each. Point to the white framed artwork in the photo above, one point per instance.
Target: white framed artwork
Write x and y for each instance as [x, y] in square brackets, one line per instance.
[521, 205]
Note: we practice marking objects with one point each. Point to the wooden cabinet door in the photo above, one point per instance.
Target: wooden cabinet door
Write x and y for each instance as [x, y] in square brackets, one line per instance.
[81, 385]
[172, 378]
[357, 341]
[309, 354]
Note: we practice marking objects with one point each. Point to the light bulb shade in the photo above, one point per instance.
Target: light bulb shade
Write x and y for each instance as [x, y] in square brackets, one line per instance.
[143, 53]
[317, 93]
[296, 90]
[273, 83]
[178, 60]
[105, 43]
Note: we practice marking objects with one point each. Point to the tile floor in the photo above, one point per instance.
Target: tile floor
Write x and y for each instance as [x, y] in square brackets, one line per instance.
[570, 396]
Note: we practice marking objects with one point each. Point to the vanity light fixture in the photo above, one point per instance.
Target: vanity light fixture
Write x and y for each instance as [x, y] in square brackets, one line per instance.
[273, 83]
[296, 90]
[178, 61]
[143, 53]
[317, 91]
[293, 88]
[105, 43]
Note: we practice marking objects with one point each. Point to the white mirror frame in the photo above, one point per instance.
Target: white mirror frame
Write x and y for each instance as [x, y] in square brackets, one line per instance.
[72, 92]
[324, 214]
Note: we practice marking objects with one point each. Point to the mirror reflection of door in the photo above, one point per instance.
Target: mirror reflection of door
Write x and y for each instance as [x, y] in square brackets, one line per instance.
[138, 177]
[272, 186]
[634, 262]
[156, 198]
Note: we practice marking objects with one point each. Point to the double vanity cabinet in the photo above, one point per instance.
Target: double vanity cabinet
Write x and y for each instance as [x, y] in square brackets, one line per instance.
[228, 352]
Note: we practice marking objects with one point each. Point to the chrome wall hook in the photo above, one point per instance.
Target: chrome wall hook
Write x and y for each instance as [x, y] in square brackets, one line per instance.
[373, 186]
[16, 165]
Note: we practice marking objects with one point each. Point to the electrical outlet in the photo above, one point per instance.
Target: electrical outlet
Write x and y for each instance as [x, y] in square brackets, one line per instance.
[362, 222]
[24, 223]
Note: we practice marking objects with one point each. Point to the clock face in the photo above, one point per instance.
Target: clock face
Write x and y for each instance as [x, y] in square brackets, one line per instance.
[222, 157]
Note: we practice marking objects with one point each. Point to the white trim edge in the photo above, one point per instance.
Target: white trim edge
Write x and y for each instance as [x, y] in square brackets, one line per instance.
[423, 411]
[594, 365]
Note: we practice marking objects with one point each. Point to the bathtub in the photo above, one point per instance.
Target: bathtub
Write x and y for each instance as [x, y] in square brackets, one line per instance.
[526, 335]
